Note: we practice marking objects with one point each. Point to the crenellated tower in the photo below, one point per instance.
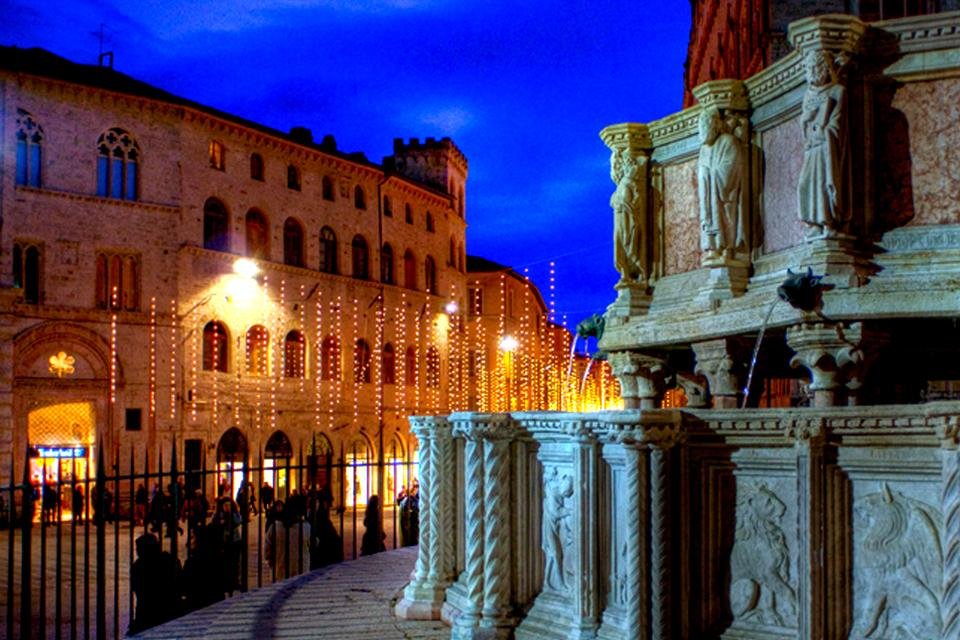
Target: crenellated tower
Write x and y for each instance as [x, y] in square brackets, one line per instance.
[436, 163]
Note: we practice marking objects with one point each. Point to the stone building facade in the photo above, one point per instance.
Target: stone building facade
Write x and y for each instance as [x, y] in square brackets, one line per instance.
[788, 249]
[126, 326]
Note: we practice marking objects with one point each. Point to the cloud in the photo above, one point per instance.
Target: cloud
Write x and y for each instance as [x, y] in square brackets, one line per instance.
[449, 121]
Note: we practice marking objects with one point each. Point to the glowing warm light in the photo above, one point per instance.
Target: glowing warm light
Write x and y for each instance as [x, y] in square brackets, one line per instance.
[508, 343]
[241, 291]
[452, 307]
[246, 267]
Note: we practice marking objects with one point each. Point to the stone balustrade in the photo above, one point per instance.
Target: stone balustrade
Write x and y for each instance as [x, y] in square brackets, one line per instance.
[780, 523]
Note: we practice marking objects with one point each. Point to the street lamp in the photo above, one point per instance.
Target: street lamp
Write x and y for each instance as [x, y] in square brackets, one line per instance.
[508, 344]
[245, 267]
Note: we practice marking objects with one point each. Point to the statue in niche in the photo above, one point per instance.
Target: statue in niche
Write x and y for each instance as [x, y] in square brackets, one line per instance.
[629, 209]
[821, 190]
[898, 567]
[760, 588]
[557, 529]
[721, 175]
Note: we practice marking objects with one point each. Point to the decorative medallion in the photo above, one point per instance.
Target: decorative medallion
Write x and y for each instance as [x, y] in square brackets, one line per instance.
[62, 364]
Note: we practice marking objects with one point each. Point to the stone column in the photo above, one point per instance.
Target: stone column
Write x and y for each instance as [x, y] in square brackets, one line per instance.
[497, 516]
[471, 578]
[423, 597]
[831, 353]
[640, 376]
[630, 147]
[950, 508]
[723, 363]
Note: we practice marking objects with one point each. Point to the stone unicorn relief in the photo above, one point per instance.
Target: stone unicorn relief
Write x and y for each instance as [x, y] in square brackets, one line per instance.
[898, 568]
[760, 590]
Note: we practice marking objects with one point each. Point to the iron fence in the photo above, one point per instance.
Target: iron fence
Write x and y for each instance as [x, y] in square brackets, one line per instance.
[75, 546]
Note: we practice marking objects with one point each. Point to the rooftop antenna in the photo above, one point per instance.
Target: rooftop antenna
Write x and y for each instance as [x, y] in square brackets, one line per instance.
[104, 55]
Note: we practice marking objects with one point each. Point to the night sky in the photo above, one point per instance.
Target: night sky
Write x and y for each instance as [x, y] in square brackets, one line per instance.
[522, 86]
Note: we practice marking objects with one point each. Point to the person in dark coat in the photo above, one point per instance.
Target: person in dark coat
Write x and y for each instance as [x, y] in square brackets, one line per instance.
[154, 578]
[202, 572]
[410, 517]
[78, 502]
[326, 546]
[373, 534]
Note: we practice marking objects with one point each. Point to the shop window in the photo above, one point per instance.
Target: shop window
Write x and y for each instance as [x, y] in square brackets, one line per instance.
[217, 155]
[118, 158]
[388, 365]
[216, 347]
[361, 258]
[118, 281]
[386, 264]
[293, 243]
[294, 355]
[258, 351]
[26, 270]
[258, 235]
[29, 150]
[361, 361]
[256, 167]
[328, 250]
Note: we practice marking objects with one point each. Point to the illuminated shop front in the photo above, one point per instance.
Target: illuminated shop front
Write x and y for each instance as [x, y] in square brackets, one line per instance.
[276, 461]
[61, 444]
[231, 458]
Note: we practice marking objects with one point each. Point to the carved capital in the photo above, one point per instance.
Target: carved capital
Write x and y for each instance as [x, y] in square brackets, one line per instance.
[723, 94]
[632, 137]
[641, 378]
[831, 353]
[428, 427]
[835, 33]
[723, 363]
[485, 426]
[949, 433]
[694, 388]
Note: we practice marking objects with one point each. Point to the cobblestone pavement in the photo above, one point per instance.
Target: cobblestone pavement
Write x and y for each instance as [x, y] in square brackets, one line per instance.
[352, 600]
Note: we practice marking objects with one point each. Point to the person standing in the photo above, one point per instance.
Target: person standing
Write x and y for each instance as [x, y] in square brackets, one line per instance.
[373, 535]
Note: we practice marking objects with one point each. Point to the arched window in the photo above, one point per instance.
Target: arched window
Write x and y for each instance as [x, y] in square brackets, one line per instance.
[330, 359]
[328, 250]
[217, 155]
[327, 188]
[433, 367]
[294, 355]
[387, 207]
[26, 270]
[258, 235]
[408, 214]
[461, 204]
[430, 227]
[410, 367]
[361, 361]
[386, 264]
[388, 365]
[293, 177]
[256, 166]
[452, 260]
[216, 224]
[430, 275]
[409, 270]
[359, 197]
[361, 258]
[292, 243]
[29, 150]
[258, 350]
[118, 155]
[118, 281]
[216, 347]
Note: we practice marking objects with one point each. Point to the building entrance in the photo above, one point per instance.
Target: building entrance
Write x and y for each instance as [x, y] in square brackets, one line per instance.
[62, 438]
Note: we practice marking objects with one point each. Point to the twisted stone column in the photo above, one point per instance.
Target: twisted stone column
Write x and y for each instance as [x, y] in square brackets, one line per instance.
[497, 569]
[950, 508]
[472, 576]
[423, 597]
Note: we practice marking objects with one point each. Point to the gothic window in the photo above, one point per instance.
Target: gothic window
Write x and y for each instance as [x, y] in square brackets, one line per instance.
[452, 260]
[361, 361]
[361, 258]
[388, 365]
[256, 166]
[327, 188]
[430, 226]
[26, 270]
[258, 235]
[294, 355]
[330, 359]
[29, 150]
[293, 243]
[217, 154]
[386, 264]
[258, 350]
[118, 158]
[293, 178]
[410, 367]
[216, 225]
[328, 250]
[118, 281]
[430, 275]
[359, 197]
[408, 214]
[216, 347]
[433, 367]
[387, 207]
[409, 270]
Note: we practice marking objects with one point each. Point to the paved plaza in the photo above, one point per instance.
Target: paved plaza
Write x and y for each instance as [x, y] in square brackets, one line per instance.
[352, 600]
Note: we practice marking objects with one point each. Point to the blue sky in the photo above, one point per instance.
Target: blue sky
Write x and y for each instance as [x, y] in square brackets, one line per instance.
[523, 87]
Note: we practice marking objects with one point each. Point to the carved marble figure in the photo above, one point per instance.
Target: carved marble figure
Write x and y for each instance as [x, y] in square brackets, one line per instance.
[557, 531]
[629, 206]
[823, 173]
[720, 174]
[760, 588]
[898, 566]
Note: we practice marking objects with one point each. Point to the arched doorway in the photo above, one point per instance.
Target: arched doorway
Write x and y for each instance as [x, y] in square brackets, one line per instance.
[358, 472]
[276, 462]
[61, 438]
[231, 460]
[320, 462]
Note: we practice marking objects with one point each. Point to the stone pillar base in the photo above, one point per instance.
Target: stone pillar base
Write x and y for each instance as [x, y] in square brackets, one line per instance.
[420, 603]
[839, 259]
[633, 299]
[728, 278]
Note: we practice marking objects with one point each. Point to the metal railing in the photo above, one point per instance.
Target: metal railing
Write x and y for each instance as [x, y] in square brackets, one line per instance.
[71, 548]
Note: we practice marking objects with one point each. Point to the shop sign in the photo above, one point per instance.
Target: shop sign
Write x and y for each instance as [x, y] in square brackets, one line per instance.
[58, 452]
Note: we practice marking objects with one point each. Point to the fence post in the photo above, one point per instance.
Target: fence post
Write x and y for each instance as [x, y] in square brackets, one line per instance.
[100, 521]
[26, 517]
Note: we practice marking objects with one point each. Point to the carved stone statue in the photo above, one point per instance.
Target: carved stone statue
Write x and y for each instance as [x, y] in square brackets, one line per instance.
[557, 531]
[760, 588]
[898, 567]
[721, 177]
[629, 207]
[821, 190]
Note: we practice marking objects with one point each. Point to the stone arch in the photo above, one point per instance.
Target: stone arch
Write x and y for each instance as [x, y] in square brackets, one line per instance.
[34, 346]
